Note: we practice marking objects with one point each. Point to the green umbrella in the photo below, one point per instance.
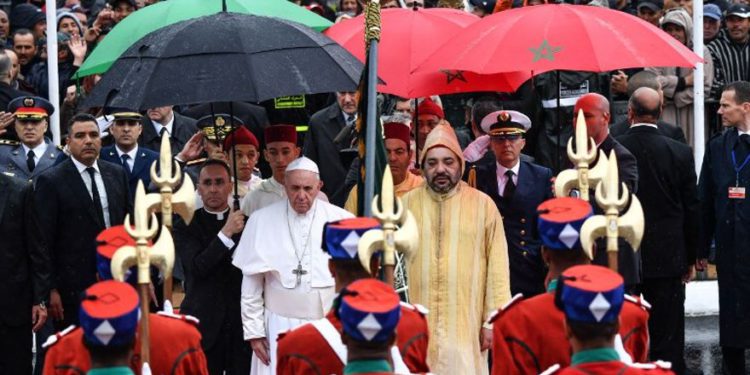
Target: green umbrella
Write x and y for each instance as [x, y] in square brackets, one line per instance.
[161, 14]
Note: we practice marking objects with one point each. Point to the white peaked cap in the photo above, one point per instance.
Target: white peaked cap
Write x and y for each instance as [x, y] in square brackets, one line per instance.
[303, 164]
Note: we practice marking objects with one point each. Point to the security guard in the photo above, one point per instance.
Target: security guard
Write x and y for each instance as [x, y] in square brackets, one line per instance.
[33, 153]
[322, 351]
[591, 298]
[528, 334]
[517, 187]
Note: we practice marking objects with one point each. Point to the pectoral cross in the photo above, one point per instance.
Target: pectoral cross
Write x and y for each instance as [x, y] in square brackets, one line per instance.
[299, 272]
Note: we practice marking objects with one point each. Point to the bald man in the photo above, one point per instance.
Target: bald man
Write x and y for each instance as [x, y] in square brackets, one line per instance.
[596, 111]
[667, 191]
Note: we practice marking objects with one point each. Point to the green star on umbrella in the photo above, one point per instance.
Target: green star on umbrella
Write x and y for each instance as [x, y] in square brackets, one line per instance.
[545, 51]
[161, 14]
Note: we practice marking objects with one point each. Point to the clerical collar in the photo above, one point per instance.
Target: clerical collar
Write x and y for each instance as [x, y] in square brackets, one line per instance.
[219, 215]
[644, 124]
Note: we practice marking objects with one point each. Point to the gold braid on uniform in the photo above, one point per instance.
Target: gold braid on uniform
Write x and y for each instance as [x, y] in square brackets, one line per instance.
[372, 22]
[472, 178]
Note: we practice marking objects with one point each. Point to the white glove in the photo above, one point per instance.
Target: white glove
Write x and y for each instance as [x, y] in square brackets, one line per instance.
[476, 150]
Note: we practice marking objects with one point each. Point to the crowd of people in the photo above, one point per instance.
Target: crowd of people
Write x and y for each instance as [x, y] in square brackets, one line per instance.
[269, 264]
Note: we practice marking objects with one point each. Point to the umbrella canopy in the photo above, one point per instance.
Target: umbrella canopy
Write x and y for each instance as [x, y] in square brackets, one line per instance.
[408, 37]
[559, 37]
[165, 13]
[257, 58]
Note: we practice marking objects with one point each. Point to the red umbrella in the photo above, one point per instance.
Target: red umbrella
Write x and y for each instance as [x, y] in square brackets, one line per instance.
[410, 35]
[559, 37]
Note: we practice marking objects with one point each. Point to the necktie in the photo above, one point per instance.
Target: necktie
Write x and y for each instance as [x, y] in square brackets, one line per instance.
[162, 131]
[125, 158]
[30, 161]
[95, 196]
[742, 148]
[510, 186]
[350, 119]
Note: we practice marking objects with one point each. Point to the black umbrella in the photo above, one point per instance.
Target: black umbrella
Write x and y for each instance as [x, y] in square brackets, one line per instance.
[226, 57]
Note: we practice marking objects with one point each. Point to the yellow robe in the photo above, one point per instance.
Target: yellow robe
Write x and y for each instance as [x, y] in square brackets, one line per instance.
[411, 182]
[460, 273]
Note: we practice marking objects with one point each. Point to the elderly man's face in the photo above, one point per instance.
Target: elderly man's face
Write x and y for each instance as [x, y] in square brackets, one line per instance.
[442, 169]
[710, 28]
[161, 115]
[507, 149]
[214, 186]
[348, 101]
[301, 188]
[84, 142]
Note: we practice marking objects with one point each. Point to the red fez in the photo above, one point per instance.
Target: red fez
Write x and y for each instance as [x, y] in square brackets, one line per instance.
[281, 133]
[397, 130]
[428, 107]
[240, 136]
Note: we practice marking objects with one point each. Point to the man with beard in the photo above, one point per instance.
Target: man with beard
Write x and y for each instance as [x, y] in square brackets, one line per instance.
[460, 271]
[731, 49]
[136, 161]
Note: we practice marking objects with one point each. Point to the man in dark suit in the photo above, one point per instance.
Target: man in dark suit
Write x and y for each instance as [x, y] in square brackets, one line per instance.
[517, 187]
[136, 161]
[596, 112]
[648, 79]
[332, 130]
[74, 201]
[725, 214]
[667, 191]
[7, 92]
[165, 120]
[212, 283]
[24, 276]
[32, 154]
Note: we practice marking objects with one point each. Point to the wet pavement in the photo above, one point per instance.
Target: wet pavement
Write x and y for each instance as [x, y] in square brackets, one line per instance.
[702, 351]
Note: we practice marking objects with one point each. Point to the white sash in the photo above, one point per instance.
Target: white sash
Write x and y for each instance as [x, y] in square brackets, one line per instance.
[333, 338]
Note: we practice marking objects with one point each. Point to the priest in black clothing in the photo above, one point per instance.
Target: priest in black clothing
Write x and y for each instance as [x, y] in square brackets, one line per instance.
[212, 283]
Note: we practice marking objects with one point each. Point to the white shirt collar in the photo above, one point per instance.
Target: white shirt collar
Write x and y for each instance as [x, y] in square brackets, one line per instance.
[168, 125]
[644, 124]
[501, 169]
[132, 153]
[38, 150]
[739, 132]
[82, 167]
[346, 115]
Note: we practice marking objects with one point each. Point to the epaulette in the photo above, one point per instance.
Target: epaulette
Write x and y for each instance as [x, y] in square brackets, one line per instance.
[185, 318]
[196, 161]
[496, 315]
[9, 142]
[57, 336]
[640, 301]
[551, 370]
[416, 307]
[664, 365]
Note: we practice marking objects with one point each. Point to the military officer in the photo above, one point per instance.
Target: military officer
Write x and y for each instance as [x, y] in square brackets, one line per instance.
[517, 187]
[528, 334]
[322, 349]
[591, 298]
[214, 129]
[33, 153]
[136, 161]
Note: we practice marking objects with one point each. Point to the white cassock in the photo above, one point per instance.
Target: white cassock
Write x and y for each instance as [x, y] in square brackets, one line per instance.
[265, 193]
[277, 241]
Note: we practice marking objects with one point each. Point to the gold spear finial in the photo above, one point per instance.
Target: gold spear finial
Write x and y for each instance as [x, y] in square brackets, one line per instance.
[611, 225]
[585, 153]
[390, 238]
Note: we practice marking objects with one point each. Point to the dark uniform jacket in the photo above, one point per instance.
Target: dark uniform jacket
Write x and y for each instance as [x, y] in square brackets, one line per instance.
[666, 129]
[141, 166]
[24, 261]
[527, 270]
[727, 222]
[182, 129]
[667, 191]
[13, 161]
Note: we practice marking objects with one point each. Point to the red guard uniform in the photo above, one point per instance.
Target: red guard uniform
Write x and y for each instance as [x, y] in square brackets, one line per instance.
[175, 349]
[604, 361]
[529, 337]
[304, 350]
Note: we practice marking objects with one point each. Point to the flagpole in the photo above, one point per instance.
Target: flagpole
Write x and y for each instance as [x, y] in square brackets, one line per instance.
[372, 35]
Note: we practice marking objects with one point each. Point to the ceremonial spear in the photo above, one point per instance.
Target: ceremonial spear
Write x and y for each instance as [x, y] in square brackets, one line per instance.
[160, 254]
[585, 153]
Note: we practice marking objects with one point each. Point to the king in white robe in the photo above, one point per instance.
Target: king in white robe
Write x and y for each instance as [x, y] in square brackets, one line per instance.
[276, 242]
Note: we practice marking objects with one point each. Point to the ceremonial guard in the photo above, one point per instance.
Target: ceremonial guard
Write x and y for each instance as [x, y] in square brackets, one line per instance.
[517, 187]
[33, 153]
[323, 351]
[591, 298]
[136, 161]
[529, 334]
[369, 311]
